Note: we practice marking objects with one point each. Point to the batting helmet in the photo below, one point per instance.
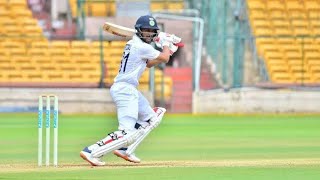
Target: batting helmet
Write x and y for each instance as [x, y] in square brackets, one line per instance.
[146, 22]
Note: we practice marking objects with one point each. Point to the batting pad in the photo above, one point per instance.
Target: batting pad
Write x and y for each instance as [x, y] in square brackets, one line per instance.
[125, 141]
[153, 124]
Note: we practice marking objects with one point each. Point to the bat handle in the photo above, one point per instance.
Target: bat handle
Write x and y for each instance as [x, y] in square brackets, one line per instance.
[180, 44]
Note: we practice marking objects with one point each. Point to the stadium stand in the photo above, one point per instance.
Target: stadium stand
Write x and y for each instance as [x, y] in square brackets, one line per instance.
[285, 38]
[28, 59]
[108, 7]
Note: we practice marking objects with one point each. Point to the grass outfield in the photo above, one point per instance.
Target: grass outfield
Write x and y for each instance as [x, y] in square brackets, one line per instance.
[183, 147]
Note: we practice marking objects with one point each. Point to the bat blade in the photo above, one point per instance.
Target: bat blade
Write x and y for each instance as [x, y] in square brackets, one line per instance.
[118, 30]
[124, 31]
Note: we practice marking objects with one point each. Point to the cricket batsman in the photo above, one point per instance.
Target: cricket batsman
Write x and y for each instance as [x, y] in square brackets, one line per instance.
[135, 115]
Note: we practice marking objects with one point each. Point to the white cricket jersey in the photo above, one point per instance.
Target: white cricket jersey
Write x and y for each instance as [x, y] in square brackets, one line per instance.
[134, 61]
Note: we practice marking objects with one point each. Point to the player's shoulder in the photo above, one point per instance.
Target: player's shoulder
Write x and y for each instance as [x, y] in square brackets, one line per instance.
[140, 45]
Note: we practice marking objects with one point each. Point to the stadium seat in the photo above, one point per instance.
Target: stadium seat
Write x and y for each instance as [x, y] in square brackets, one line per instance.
[4, 13]
[175, 5]
[277, 14]
[98, 8]
[288, 58]
[312, 5]
[256, 4]
[20, 12]
[40, 44]
[275, 5]
[157, 6]
[118, 44]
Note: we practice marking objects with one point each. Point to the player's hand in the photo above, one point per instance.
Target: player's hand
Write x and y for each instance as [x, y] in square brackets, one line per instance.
[173, 48]
[162, 36]
[162, 42]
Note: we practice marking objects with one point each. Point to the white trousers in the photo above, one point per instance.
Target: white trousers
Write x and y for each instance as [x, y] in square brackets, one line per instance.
[132, 106]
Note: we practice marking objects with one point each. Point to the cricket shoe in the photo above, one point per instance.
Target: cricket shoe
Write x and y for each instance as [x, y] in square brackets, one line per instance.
[86, 155]
[122, 153]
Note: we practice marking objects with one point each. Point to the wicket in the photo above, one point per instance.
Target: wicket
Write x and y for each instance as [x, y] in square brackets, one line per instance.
[55, 129]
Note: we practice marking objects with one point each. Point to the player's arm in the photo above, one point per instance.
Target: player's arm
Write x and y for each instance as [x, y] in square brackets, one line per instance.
[163, 57]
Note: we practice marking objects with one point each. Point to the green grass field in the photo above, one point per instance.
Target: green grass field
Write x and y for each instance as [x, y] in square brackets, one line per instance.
[183, 147]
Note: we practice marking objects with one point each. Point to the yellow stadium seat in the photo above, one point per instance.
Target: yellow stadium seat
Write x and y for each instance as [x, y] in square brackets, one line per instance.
[267, 47]
[256, 4]
[275, 5]
[144, 78]
[312, 55]
[80, 44]
[58, 51]
[17, 3]
[298, 15]
[82, 60]
[264, 32]
[143, 87]
[312, 5]
[7, 21]
[79, 52]
[294, 55]
[257, 14]
[61, 59]
[280, 23]
[40, 59]
[17, 52]
[98, 9]
[257, 24]
[59, 48]
[38, 51]
[118, 44]
[47, 67]
[281, 77]
[40, 44]
[291, 47]
[285, 41]
[315, 23]
[74, 8]
[295, 5]
[310, 47]
[96, 52]
[4, 13]
[156, 6]
[264, 41]
[283, 31]
[24, 21]
[68, 67]
[278, 68]
[13, 44]
[313, 14]
[277, 62]
[13, 31]
[60, 44]
[116, 52]
[97, 44]
[20, 12]
[278, 14]
[32, 31]
[175, 5]
[20, 59]
[111, 8]
[3, 4]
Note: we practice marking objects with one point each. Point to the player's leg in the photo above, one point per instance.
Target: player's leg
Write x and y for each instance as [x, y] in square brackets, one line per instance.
[154, 122]
[128, 153]
[126, 101]
[148, 119]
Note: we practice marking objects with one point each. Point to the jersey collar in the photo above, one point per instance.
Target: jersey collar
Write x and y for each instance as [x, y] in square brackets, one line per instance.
[137, 39]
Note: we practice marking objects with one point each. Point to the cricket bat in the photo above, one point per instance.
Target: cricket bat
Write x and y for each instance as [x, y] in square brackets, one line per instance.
[124, 31]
